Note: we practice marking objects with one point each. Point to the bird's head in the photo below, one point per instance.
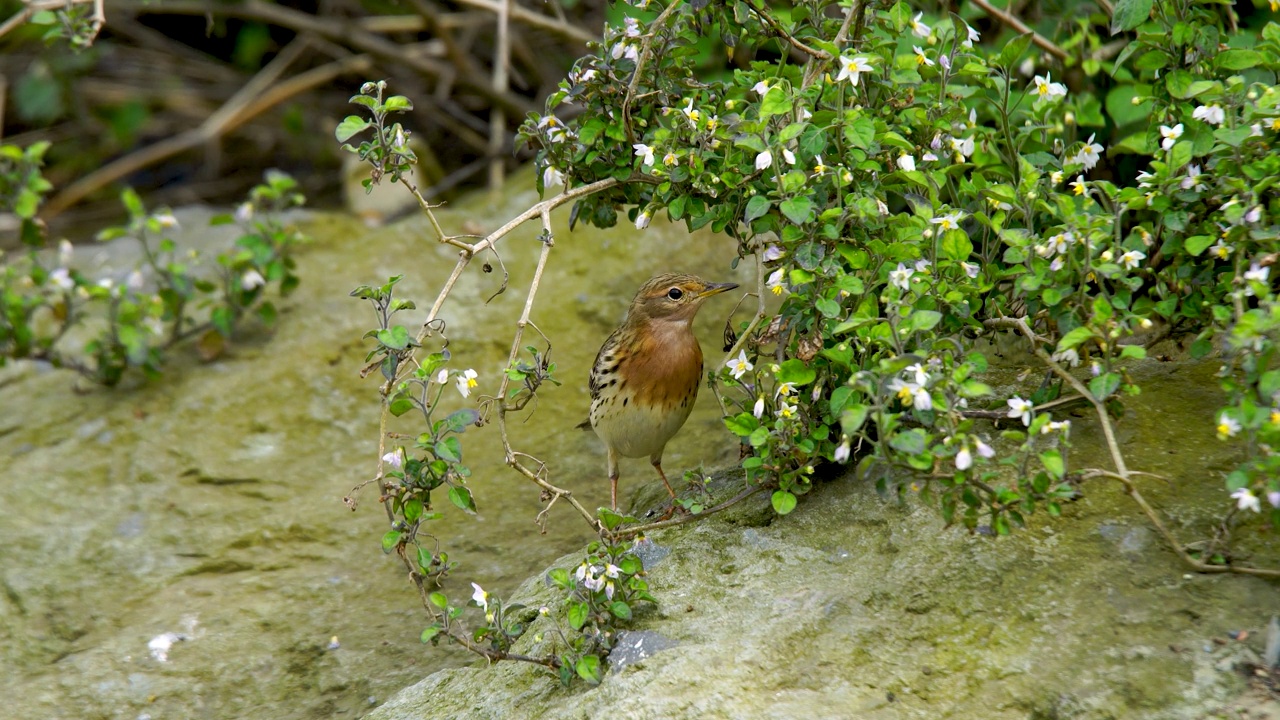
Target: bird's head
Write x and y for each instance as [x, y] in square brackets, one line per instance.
[673, 297]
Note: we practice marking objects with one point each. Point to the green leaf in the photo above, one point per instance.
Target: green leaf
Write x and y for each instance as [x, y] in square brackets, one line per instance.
[1197, 244]
[921, 320]
[1237, 59]
[853, 417]
[1136, 352]
[350, 127]
[412, 509]
[461, 497]
[1075, 337]
[1129, 14]
[439, 600]
[1102, 386]
[459, 420]
[1013, 50]
[798, 210]
[955, 245]
[860, 133]
[775, 102]
[400, 405]
[390, 540]
[449, 449]
[561, 577]
[620, 610]
[578, 615]
[794, 371]
[829, 308]
[396, 103]
[759, 436]
[757, 206]
[1052, 461]
[588, 669]
[395, 338]
[783, 502]
[742, 424]
[429, 633]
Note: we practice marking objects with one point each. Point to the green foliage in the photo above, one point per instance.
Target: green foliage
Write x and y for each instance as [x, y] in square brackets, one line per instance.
[42, 297]
[919, 196]
[388, 153]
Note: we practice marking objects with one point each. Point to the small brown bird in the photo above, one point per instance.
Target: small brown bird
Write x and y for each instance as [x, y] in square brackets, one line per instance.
[646, 376]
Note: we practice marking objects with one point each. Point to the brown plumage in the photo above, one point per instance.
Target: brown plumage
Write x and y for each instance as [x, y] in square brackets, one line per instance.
[645, 378]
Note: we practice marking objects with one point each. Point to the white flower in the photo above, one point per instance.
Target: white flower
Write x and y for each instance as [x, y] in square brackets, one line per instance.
[1056, 176]
[929, 157]
[644, 151]
[1019, 408]
[166, 220]
[922, 265]
[642, 220]
[691, 113]
[1056, 426]
[65, 251]
[902, 276]
[761, 88]
[1131, 258]
[970, 269]
[632, 27]
[466, 381]
[1068, 356]
[764, 160]
[964, 460]
[1212, 114]
[1047, 89]
[395, 459]
[1221, 250]
[1057, 264]
[949, 222]
[1170, 135]
[963, 148]
[851, 68]
[773, 252]
[944, 61]
[244, 212]
[442, 377]
[1227, 426]
[1144, 179]
[1192, 180]
[1089, 154]
[921, 376]
[1254, 214]
[785, 389]
[1273, 497]
[1257, 273]
[1077, 185]
[552, 177]
[1246, 500]
[786, 411]
[480, 597]
[135, 281]
[842, 452]
[758, 408]
[921, 58]
[789, 156]
[252, 280]
[984, 449]
[918, 28]
[906, 163]
[61, 279]
[670, 159]
[972, 38]
[739, 366]
[906, 391]
[776, 283]
[819, 168]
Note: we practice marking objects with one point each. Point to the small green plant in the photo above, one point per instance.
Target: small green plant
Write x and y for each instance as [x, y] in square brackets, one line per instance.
[42, 298]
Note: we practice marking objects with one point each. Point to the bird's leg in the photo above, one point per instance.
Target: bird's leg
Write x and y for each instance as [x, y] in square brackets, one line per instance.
[656, 460]
[613, 480]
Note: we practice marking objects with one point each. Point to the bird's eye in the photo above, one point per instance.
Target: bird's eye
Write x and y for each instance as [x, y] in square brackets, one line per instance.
[675, 293]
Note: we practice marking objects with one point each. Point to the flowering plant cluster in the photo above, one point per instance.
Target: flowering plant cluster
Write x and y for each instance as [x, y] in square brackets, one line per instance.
[166, 300]
[905, 187]
[902, 188]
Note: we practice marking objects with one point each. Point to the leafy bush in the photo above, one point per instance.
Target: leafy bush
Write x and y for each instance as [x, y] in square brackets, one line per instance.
[42, 298]
[905, 190]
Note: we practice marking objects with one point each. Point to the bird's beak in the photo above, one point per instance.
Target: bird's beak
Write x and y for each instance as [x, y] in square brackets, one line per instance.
[716, 289]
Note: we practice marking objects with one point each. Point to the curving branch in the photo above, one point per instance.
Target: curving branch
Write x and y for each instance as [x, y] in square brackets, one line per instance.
[1122, 473]
[1021, 27]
